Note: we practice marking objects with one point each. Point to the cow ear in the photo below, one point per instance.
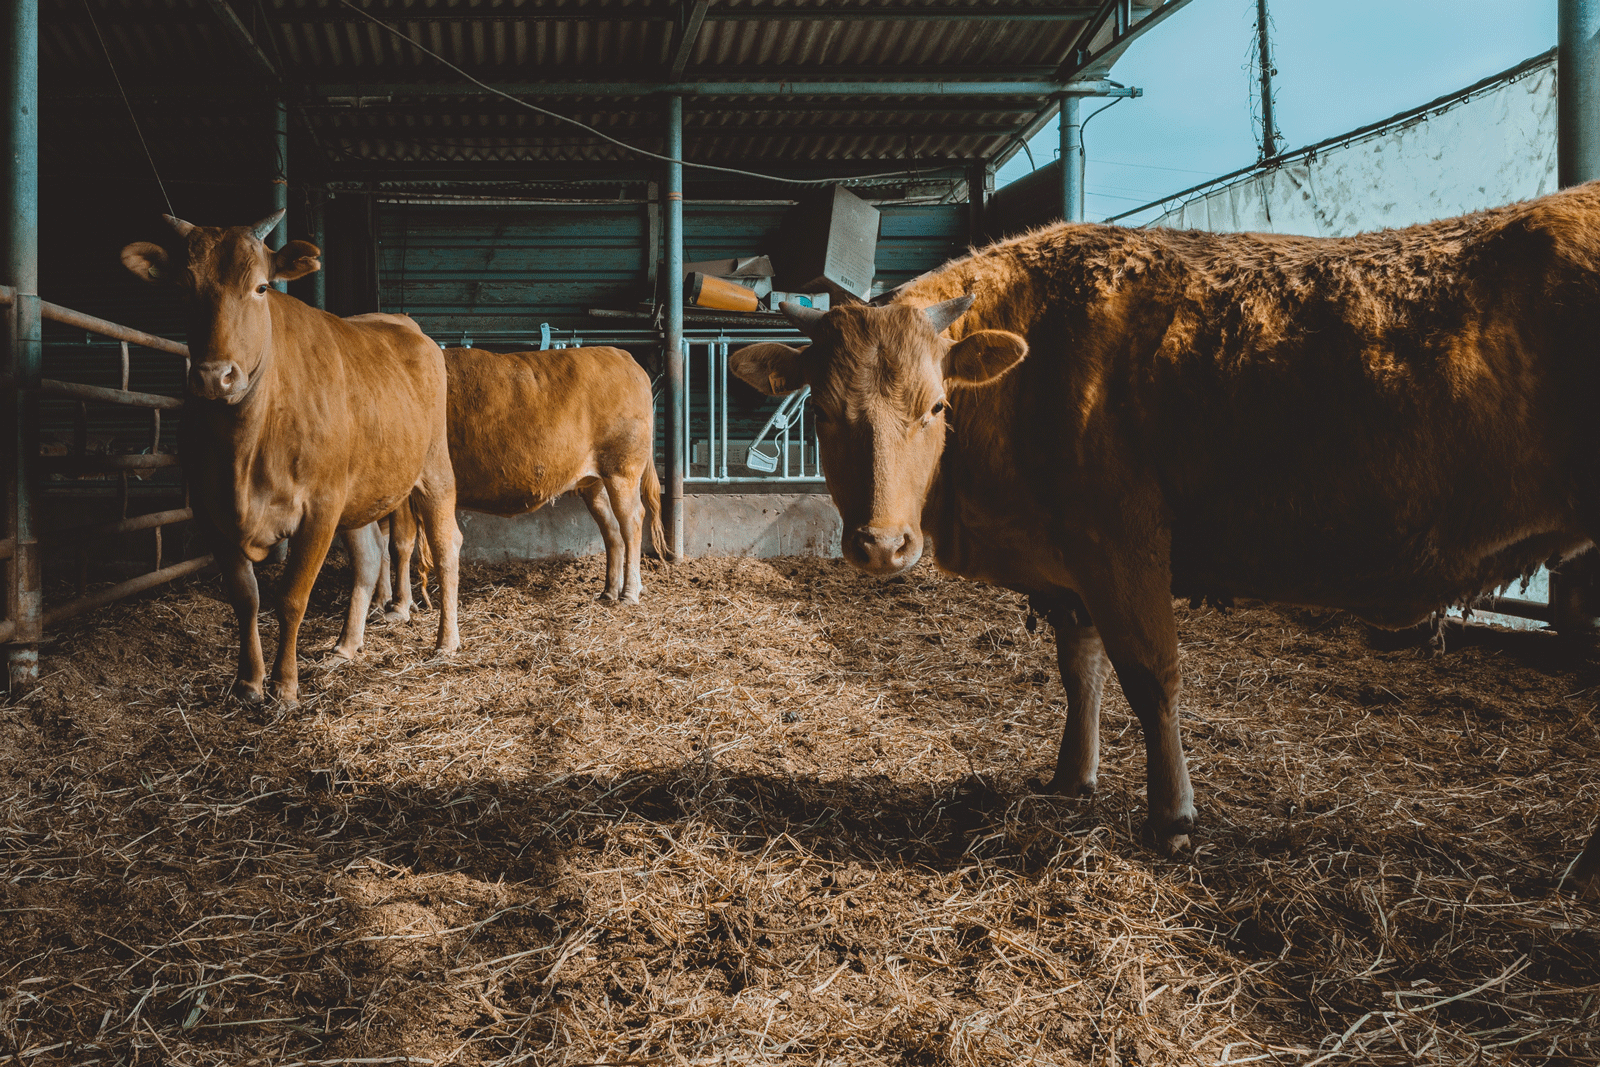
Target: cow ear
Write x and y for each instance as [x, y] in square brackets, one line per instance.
[148, 261]
[983, 355]
[772, 368]
[295, 260]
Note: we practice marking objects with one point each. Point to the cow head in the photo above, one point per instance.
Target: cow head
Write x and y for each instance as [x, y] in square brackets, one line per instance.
[880, 379]
[226, 277]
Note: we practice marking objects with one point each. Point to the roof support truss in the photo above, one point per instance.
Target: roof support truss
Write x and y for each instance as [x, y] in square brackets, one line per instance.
[241, 37]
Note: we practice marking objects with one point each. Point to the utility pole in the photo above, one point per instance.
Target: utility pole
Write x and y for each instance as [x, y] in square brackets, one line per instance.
[1269, 133]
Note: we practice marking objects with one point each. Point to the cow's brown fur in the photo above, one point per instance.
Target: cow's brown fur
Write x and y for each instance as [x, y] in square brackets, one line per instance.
[526, 427]
[300, 424]
[1386, 423]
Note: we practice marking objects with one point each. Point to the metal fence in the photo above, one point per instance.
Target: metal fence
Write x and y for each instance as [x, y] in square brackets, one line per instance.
[783, 449]
[27, 613]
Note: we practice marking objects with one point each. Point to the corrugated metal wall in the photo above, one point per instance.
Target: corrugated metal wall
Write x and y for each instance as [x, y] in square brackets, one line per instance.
[482, 270]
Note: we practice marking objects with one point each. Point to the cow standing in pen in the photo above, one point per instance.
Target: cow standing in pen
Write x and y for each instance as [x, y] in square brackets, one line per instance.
[300, 424]
[1386, 424]
[526, 427]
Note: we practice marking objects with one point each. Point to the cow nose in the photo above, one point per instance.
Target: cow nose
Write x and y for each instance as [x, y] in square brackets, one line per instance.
[216, 381]
[880, 551]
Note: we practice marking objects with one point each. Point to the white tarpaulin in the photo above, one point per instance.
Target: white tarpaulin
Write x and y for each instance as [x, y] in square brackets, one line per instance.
[1494, 147]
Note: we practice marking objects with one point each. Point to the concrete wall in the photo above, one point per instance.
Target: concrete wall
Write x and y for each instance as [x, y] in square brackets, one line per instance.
[723, 524]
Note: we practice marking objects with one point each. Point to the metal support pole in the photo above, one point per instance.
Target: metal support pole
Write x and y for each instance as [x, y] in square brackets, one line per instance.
[1071, 158]
[1578, 91]
[279, 115]
[1269, 131]
[319, 279]
[677, 399]
[977, 193]
[1575, 585]
[19, 245]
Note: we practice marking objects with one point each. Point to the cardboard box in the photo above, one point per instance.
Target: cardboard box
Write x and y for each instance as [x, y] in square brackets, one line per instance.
[829, 242]
[752, 272]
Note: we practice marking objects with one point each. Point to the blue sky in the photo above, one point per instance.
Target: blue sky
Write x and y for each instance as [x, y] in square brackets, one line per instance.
[1341, 64]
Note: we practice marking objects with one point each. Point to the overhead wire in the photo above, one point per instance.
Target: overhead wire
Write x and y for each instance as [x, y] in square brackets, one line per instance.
[129, 105]
[607, 137]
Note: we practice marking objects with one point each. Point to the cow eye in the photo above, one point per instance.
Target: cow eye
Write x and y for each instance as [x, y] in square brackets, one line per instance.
[261, 288]
[939, 408]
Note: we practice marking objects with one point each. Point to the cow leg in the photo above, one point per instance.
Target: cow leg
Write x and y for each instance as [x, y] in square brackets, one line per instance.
[308, 548]
[385, 591]
[1133, 606]
[1082, 659]
[435, 502]
[366, 552]
[245, 595]
[629, 511]
[402, 539]
[595, 495]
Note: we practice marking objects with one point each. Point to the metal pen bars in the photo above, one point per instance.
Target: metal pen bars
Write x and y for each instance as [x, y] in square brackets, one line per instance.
[797, 458]
[83, 463]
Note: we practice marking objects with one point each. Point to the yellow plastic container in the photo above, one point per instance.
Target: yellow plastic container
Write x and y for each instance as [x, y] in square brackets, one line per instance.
[702, 290]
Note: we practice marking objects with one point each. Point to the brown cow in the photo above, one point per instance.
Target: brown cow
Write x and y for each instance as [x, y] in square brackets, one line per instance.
[1386, 424]
[300, 424]
[526, 427]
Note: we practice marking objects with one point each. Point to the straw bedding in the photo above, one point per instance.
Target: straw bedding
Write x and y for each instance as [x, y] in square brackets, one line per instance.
[780, 812]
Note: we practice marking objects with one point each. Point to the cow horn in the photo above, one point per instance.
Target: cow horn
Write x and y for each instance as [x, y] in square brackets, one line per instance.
[940, 316]
[267, 225]
[178, 224]
[805, 319]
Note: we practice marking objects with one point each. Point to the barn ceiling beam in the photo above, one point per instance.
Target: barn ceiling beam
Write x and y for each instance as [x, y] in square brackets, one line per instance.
[242, 38]
[1081, 65]
[688, 31]
[782, 89]
[834, 12]
[1084, 62]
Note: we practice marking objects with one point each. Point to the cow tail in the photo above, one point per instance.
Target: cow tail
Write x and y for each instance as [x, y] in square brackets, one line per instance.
[650, 491]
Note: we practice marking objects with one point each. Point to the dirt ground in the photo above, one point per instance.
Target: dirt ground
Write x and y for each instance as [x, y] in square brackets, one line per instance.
[780, 812]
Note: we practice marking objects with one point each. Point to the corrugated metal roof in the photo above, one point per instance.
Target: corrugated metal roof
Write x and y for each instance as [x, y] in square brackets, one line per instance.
[183, 65]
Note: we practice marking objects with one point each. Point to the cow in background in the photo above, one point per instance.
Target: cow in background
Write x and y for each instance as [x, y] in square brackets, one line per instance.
[526, 427]
[1386, 424]
[300, 424]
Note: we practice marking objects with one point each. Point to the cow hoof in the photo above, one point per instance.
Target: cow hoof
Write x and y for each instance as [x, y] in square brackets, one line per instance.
[393, 615]
[248, 694]
[1174, 839]
[1065, 787]
[607, 595]
[338, 658]
[634, 599]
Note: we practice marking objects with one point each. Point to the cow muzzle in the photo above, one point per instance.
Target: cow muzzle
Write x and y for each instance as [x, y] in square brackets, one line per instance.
[884, 552]
[218, 381]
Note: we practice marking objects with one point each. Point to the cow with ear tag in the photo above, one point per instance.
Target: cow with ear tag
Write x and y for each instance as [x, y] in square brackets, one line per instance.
[300, 424]
[1101, 417]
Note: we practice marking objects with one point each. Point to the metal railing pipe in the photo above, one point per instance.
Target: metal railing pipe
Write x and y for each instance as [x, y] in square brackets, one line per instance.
[104, 395]
[124, 589]
[677, 398]
[122, 526]
[105, 464]
[114, 330]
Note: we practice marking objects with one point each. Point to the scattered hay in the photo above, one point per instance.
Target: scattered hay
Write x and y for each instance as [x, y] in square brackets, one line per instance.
[778, 812]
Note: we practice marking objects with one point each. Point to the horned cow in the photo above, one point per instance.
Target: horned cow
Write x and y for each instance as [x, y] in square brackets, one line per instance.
[299, 424]
[1386, 424]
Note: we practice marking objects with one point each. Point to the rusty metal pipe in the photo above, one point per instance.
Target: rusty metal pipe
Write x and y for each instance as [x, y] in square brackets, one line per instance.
[113, 330]
[153, 520]
[124, 589]
[104, 464]
[104, 395]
